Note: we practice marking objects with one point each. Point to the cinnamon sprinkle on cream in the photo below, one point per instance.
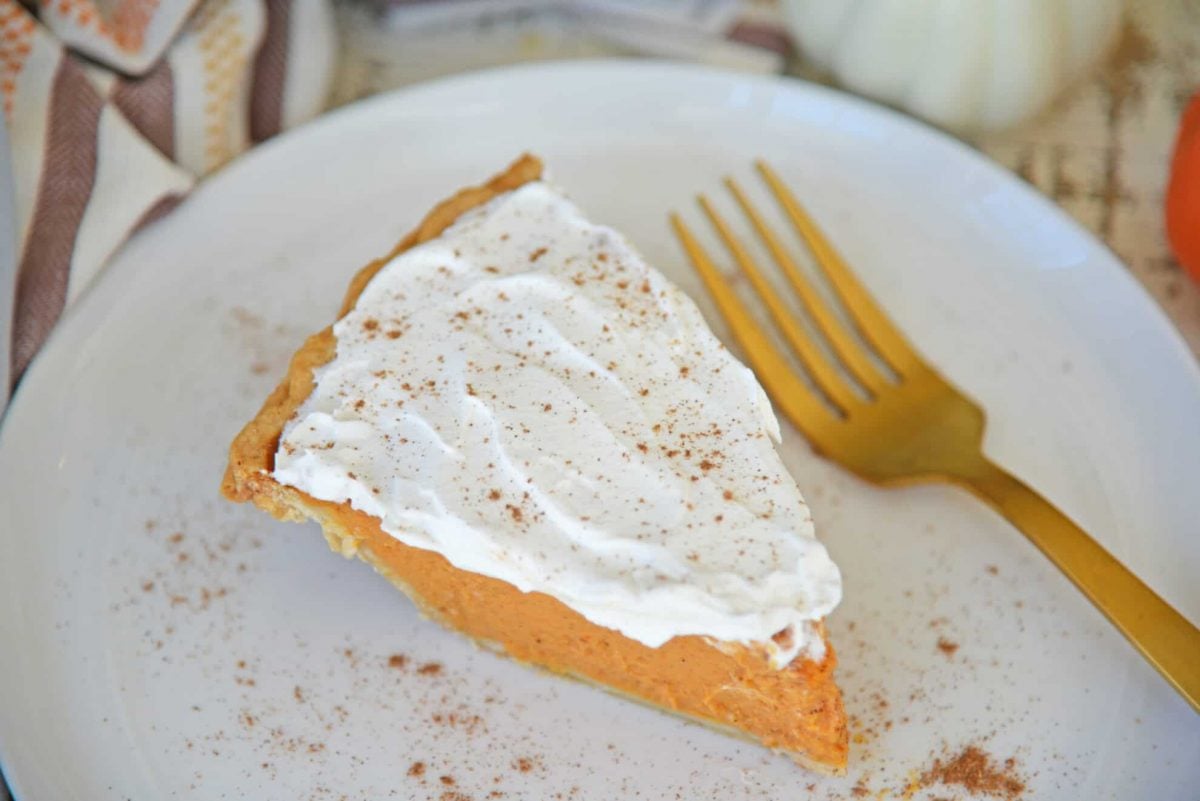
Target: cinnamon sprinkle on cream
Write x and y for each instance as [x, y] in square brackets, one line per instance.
[519, 350]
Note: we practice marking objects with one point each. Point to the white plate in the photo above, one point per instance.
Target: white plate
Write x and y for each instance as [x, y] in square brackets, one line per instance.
[241, 660]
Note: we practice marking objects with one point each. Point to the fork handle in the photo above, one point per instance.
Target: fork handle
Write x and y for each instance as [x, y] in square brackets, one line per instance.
[1164, 637]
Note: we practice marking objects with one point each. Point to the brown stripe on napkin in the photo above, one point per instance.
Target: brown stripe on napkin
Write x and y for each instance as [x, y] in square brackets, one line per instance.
[68, 174]
[161, 208]
[149, 105]
[270, 70]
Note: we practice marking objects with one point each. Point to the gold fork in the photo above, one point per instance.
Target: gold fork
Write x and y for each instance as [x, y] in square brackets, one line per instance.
[913, 425]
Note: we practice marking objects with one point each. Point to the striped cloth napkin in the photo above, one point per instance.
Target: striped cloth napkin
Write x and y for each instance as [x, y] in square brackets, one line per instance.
[114, 108]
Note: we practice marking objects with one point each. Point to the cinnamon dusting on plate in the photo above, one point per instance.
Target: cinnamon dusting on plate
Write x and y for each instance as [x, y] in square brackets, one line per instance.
[978, 773]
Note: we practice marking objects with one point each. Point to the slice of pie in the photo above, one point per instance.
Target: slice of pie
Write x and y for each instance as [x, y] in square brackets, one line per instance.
[535, 436]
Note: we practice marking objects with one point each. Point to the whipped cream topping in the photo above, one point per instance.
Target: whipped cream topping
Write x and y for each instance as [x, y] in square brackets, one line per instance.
[527, 397]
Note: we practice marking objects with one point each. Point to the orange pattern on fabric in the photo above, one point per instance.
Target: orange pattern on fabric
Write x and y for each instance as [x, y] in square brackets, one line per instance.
[16, 40]
[224, 52]
[124, 24]
[131, 18]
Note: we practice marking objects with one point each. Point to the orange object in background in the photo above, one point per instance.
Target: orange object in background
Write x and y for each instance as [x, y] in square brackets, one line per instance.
[1183, 192]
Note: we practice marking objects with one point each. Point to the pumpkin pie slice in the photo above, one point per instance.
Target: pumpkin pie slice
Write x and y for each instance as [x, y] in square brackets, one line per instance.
[534, 435]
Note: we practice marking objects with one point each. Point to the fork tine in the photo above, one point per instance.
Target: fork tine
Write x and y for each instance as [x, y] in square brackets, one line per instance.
[844, 345]
[872, 322]
[822, 372]
[791, 396]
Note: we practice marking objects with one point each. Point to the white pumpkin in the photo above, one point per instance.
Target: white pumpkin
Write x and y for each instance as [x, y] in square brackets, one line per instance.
[967, 65]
